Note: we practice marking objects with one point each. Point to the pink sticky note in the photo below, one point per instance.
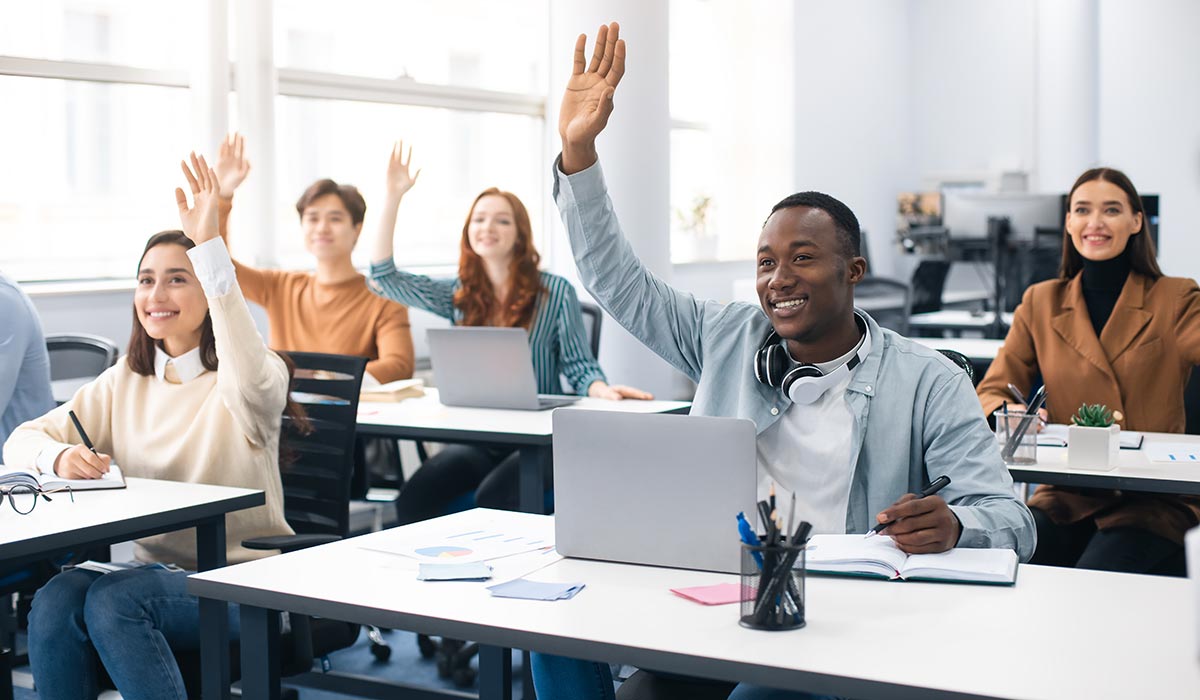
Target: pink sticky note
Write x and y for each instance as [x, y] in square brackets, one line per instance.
[716, 594]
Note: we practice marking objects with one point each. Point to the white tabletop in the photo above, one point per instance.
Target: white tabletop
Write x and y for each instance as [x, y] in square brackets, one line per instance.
[1135, 471]
[1059, 633]
[982, 349]
[957, 318]
[428, 414]
[112, 514]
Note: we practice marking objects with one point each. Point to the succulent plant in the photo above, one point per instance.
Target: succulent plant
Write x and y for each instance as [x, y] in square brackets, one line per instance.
[1093, 415]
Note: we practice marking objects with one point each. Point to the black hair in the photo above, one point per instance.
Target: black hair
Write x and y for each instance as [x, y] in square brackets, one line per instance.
[844, 219]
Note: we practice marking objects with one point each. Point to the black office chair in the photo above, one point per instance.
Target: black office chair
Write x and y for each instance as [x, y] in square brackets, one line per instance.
[962, 361]
[79, 356]
[928, 283]
[593, 318]
[316, 502]
[895, 313]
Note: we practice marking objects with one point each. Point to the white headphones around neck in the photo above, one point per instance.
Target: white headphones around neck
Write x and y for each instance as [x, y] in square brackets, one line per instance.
[804, 383]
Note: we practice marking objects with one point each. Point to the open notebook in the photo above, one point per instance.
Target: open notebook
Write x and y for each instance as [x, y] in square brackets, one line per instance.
[878, 557]
[11, 477]
[1055, 435]
[393, 391]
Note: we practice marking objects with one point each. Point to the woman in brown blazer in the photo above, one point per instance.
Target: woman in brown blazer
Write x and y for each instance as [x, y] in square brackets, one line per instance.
[1110, 330]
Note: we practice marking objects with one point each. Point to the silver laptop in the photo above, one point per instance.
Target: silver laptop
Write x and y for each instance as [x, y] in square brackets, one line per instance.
[651, 488]
[487, 368]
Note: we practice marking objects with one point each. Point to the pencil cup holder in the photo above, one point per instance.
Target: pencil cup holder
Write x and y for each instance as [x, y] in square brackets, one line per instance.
[1016, 433]
[772, 587]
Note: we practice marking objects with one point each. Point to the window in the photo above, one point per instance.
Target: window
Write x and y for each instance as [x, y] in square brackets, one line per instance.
[730, 156]
[101, 98]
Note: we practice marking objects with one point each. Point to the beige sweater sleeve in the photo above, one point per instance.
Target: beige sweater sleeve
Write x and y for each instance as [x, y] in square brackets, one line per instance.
[251, 379]
[54, 431]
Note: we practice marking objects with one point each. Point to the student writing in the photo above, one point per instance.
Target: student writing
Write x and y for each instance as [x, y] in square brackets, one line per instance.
[198, 398]
[1113, 330]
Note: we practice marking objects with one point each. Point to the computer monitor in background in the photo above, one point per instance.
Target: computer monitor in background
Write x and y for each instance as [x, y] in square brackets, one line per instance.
[965, 214]
[1149, 201]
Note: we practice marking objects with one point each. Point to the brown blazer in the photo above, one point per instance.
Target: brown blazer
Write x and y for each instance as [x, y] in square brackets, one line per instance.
[1139, 366]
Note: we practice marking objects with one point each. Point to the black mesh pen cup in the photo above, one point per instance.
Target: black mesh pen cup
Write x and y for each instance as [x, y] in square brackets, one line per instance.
[772, 587]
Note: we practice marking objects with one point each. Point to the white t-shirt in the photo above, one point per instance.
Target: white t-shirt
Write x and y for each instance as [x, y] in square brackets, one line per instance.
[807, 452]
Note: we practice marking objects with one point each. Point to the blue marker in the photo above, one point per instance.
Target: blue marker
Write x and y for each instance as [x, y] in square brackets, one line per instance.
[748, 537]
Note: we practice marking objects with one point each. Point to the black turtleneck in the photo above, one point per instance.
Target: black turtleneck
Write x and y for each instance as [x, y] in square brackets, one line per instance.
[1102, 283]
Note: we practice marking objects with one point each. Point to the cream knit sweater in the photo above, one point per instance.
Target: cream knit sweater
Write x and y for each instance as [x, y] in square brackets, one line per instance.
[219, 428]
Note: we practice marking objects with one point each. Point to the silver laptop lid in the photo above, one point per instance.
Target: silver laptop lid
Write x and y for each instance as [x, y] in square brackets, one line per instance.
[651, 488]
[483, 367]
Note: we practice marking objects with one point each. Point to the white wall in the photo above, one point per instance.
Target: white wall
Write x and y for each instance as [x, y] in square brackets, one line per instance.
[854, 112]
[1150, 114]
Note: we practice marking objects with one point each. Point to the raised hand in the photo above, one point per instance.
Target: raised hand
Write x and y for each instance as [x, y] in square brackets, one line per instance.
[588, 100]
[199, 222]
[398, 179]
[232, 166]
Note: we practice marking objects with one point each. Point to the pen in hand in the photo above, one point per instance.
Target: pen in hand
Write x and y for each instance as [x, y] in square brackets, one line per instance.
[82, 433]
[938, 484]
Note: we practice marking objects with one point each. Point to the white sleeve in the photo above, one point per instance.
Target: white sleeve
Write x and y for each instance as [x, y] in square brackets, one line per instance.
[214, 267]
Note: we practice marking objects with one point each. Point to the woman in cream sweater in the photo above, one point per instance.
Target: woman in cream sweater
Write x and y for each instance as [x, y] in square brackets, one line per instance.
[165, 412]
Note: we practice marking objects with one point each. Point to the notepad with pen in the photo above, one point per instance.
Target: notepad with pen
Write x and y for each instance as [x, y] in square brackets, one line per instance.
[50, 482]
[1055, 435]
[879, 557]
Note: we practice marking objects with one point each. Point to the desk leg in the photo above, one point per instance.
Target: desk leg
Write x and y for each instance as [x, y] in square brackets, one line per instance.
[260, 653]
[495, 673]
[214, 615]
[535, 460]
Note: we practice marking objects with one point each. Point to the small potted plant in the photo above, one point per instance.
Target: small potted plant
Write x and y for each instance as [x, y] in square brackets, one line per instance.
[1093, 439]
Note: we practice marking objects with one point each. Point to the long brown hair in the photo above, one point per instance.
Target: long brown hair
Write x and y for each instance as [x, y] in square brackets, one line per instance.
[1142, 256]
[476, 298]
[140, 355]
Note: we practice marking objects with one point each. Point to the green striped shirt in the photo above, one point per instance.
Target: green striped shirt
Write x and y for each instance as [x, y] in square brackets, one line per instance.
[557, 338]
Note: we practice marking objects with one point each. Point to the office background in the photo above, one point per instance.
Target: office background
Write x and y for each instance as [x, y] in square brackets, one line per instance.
[726, 108]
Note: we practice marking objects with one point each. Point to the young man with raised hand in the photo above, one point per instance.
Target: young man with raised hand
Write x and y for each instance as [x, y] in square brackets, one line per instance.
[852, 418]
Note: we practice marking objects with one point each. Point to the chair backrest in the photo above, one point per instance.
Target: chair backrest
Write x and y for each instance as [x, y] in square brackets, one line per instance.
[76, 355]
[592, 318]
[962, 361]
[928, 282]
[316, 483]
[895, 297]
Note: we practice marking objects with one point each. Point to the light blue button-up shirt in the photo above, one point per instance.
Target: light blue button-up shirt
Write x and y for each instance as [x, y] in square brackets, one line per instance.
[916, 415]
[24, 362]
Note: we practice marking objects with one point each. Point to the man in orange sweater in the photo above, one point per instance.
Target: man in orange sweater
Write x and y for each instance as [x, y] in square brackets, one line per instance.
[329, 310]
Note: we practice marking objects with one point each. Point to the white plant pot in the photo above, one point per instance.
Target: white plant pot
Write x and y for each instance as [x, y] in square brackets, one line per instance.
[1093, 448]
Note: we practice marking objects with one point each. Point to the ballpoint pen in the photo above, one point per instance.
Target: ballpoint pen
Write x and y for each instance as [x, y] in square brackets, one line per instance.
[1016, 394]
[82, 434]
[938, 484]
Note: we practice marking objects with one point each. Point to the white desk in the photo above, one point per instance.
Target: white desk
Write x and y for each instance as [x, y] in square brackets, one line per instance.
[145, 507]
[1135, 471]
[957, 320]
[980, 350]
[425, 418]
[1059, 633]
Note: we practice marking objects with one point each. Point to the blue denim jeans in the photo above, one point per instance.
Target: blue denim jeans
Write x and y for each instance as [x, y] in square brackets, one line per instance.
[558, 677]
[127, 620]
[561, 678]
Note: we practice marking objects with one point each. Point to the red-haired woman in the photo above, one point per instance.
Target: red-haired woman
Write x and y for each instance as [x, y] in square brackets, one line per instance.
[498, 284]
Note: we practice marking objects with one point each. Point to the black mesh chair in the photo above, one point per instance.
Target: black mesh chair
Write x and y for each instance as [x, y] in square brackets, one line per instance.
[962, 361]
[316, 501]
[593, 318]
[928, 283]
[79, 356]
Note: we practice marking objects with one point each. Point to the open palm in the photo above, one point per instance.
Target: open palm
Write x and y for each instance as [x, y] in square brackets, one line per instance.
[399, 179]
[587, 102]
[232, 165]
[199, 222]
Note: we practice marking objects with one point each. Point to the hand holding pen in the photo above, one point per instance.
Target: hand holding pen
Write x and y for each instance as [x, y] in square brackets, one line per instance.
[921, 524]
[81, 461]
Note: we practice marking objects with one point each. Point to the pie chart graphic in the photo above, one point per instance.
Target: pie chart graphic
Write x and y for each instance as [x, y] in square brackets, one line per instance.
[443, 552]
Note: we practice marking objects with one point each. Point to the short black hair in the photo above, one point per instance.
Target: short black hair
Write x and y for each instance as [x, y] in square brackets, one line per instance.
[844, 219]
